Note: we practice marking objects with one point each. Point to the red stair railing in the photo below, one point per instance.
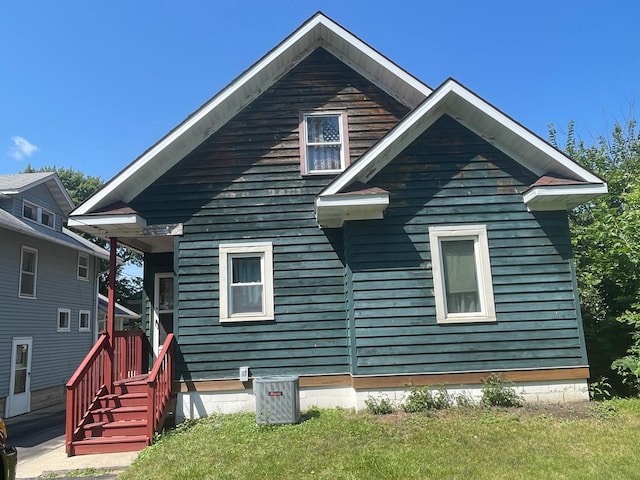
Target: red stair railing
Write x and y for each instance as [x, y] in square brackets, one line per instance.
[85, 385]
[160, 384]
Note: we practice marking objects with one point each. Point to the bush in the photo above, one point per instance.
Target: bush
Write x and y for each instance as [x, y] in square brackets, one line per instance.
[497, 393]
[421, 399]
[379, 406]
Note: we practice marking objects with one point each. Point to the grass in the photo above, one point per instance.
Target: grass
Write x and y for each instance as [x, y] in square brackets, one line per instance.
[599, 441]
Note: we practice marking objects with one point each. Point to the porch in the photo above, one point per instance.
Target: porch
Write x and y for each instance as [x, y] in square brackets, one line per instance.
[114, 402]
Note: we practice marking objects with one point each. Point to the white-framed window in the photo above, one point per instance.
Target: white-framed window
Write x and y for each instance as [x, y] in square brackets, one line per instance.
[84, 321]
[83, 266]
[64, 320]
[28, 273]
[38, 214]
[324, 142]
[462, 281]
[246, 282]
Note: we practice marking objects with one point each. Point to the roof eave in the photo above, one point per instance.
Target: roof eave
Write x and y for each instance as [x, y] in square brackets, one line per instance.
[548, 198]
[332, 211]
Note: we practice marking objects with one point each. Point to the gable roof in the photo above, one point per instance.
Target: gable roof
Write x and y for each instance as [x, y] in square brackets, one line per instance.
[17, 183]
[489, 123]
[318, 31]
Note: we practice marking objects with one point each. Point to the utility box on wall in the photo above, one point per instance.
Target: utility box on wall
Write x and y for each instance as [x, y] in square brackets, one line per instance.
[277, 399]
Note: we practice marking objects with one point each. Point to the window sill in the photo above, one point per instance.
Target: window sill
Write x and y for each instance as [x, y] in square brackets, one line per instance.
[247, 318]
[466, 319]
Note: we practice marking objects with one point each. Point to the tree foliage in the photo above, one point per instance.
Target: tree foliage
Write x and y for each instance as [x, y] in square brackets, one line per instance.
[80, 187]
[606, 242]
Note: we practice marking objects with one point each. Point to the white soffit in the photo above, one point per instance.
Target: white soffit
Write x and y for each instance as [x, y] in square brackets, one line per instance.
[318, 31]
[478, 116]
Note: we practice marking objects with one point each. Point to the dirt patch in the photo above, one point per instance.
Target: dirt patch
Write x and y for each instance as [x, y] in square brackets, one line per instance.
[560, 411]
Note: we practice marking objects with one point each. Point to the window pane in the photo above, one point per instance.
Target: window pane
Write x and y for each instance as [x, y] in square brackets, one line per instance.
[323, 157]
[84, 320]
[63, 320]
[246, 299]
[245, 270]
[165, 292]
[460, 276]
[323, 129]
[28, 261]
[27, 285]
[29, 211]
[47, 218]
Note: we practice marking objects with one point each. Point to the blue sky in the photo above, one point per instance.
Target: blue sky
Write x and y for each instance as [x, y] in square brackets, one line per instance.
[92, 84]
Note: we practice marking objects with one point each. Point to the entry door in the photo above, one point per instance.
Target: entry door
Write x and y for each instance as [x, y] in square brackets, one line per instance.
[163, 310]
[19, 400]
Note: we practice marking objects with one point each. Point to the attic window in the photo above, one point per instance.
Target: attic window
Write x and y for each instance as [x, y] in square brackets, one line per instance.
[38, 214]
[324, 146]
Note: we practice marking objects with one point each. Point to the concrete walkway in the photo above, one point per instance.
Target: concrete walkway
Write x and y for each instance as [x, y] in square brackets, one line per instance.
[39, 437]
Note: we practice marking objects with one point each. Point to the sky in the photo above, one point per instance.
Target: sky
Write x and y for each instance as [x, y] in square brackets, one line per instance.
[90, 85]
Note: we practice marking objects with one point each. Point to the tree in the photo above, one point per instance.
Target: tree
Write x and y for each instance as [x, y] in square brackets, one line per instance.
[606, 242]
[81, 187]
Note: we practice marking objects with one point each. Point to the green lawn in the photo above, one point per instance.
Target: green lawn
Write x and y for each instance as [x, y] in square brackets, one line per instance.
[598, 441]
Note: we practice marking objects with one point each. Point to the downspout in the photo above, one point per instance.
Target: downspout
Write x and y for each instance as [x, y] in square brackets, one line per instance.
[111, 310]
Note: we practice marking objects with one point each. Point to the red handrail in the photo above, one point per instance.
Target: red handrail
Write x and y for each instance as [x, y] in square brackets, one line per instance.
[160, 384]
[85, 385]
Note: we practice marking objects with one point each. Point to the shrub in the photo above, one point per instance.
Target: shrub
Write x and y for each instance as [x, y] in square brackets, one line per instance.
[421, 399]
[497, 393]
[379, 406]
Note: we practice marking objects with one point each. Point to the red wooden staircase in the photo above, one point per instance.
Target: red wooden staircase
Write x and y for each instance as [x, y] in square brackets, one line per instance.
[123, 415]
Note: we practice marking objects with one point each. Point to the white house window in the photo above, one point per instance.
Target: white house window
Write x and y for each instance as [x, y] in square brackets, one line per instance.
[38, 214]
[64, 320]
[324, 146]
[462, 274]
[28, 273]
[83, 266]
[246, 282]
[84, 318]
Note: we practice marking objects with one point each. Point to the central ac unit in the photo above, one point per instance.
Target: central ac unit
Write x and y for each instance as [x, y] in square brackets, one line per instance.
[277, 399]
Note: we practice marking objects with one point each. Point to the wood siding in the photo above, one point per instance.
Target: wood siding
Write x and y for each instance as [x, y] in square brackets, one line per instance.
[244, 184]
[450, 176]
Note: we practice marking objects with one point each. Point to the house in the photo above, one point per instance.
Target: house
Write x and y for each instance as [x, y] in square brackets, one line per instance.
[123, 316]
[330, 216]
[48, 292]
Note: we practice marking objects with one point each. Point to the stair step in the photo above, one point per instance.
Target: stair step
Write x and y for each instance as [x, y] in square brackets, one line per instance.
[109, 444]
[113, 429]
[114, 414]
[122, 400]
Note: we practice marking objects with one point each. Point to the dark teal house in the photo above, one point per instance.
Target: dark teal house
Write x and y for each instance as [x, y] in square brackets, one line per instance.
[329, 215]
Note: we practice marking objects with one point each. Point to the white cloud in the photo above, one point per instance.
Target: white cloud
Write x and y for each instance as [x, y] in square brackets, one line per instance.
[22, 148]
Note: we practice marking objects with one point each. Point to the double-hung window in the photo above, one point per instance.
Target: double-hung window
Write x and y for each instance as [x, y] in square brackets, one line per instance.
[83, 266]
[324, 145]
[462, 281]
[246, 282]
[28, 273]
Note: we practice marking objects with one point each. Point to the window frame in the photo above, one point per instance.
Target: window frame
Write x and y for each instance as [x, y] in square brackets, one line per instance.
[86, 328]
[478, 233]
[39, 214]
[84, 278]
[237, 250]
[22, 272]
[344, 141]
[66, 311]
